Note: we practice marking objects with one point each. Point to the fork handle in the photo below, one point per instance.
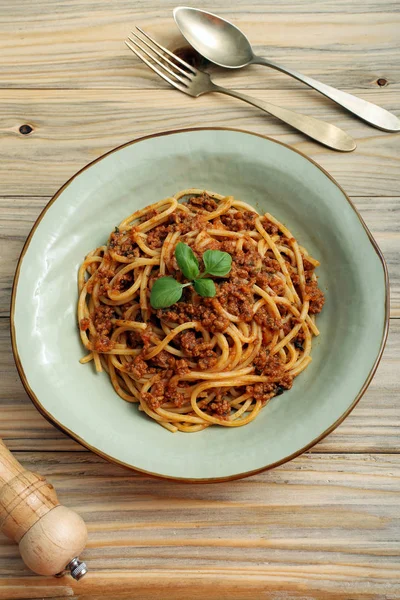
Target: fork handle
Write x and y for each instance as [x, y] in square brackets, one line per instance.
[368, 112]
[322, 132]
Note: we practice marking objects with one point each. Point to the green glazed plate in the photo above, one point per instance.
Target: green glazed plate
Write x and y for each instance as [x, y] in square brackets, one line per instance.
[270, 176]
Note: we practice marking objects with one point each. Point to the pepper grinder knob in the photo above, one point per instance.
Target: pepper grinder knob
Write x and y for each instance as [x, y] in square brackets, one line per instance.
[77, 568]
[50, 536]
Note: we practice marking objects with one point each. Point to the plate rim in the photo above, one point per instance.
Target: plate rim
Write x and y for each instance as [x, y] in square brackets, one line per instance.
[49, 417]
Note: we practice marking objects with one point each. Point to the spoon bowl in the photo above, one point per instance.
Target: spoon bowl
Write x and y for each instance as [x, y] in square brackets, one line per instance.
[225, 45]
[214, 38]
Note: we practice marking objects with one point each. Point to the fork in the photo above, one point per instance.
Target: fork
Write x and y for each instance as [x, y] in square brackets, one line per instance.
[195, 83]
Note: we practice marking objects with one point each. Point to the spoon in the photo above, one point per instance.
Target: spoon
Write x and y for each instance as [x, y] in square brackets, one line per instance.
[225, 45]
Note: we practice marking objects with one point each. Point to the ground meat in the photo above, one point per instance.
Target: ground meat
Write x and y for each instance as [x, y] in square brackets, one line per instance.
[193, 346]
[133, 339]
[273, 367]
[268, 365]
[277, 285]
[228, 246]
[288, 326]
[178, 399]
[262, 280]
[158, 388]
[221, 408]
[153, 212]
[246, 263]
[102, 343]
[153, 402]
[213, 318]
[308, 266]
[121, 245]
[237, 299]
[295, 279]
[145, 337]
[262, 391]
[208, 362]
[181, 367]
[208, 243]
[102, 319]
[264, 319]
[84, 324]
[162, 391]
[265, 391]
[181, 312]
[308, 275]
[286, 382]
[208, 313]
[202, 203]
[139, 367]
[123, 282]
[172, 395]
[102, 276]
[270, 265]
[269, 227]
[316, 297]
[163, 359]
[260, 361]
[156, 236]
[239, 221]
[179, 221]
[308, 270]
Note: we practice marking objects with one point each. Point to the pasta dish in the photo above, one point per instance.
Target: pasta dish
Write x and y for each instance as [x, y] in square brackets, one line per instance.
[199, 309]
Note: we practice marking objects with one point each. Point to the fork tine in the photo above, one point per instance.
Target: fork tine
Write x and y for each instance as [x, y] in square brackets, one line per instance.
[162, 65]
[154, 68]
[171, 54]
[177, 67]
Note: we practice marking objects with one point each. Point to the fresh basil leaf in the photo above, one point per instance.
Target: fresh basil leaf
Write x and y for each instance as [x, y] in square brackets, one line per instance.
[217, 263]
[165, 292]
[205, 287]
[187, 261]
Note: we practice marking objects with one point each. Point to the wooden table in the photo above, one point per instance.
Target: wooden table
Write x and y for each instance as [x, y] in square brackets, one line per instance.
[325, 526]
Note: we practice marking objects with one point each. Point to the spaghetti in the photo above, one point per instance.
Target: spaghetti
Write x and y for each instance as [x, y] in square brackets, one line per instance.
[201, 361]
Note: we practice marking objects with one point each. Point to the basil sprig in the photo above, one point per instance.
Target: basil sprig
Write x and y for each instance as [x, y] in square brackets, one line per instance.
[187, 261]
[167, 291]
[205, 287]
[217, 263]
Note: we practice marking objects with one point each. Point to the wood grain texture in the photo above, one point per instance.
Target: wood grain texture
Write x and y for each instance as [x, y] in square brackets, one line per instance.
[320, 527]
[72, 128]
[75, 44]
[373, 426]
[323, 527]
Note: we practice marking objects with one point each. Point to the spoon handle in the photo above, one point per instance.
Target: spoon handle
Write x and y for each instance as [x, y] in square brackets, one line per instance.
[325, 133]
[368, 112]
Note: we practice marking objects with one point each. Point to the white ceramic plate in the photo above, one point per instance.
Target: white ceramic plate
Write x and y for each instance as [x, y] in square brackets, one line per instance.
[262, 172]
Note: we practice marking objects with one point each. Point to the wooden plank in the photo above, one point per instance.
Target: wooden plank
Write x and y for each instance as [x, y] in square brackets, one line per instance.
[373, 426]
[339, 43]
[318, 528]
[17, 215]
[73, 127]
[323, 527]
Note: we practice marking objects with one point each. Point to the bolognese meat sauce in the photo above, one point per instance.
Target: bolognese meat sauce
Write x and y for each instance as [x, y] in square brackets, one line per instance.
[235, 297]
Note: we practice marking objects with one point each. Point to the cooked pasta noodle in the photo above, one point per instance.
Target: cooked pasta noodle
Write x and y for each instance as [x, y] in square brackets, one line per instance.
[202, 361]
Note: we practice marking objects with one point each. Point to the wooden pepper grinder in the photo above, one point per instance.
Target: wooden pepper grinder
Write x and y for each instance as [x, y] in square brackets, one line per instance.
[50, 536]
